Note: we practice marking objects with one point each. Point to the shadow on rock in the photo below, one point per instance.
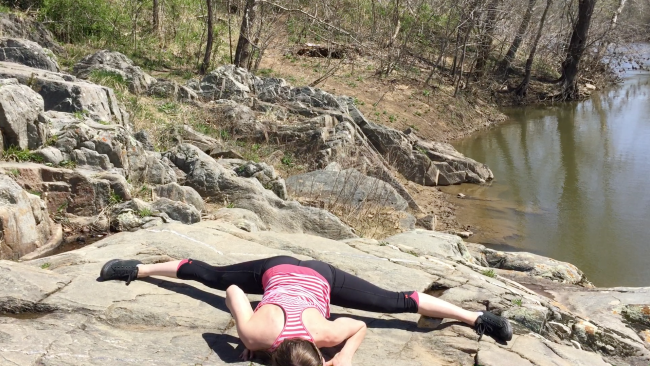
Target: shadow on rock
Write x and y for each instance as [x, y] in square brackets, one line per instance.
[221, 344]
[211, 299]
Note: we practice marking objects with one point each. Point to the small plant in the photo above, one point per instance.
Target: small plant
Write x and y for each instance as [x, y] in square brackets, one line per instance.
[426, 93]
[352, 84]
[383, 243]
[412, 252]
[287, 160]
[35, 193]
[417, 113]
[489, 273]
[358, 102]
[265, 72]
[14, 172]
[51, 141]
[224, 134]
[104, 123]
[114, 198]
[168, 107]
[421, 151]
[144, 212]
[17, 154]
[45, 265]
[80, 115]
[517, 302]
[414, 127]
[255, 147]
[392, 118]
[230, 205]
[68, 164]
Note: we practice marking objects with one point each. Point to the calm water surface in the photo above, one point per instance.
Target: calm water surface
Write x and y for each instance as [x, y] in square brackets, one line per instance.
[572, 183]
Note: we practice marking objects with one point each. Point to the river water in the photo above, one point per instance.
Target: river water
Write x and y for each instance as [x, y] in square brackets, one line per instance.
[572, 182]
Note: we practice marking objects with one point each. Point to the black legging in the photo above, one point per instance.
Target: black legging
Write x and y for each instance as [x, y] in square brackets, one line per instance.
[347, 290]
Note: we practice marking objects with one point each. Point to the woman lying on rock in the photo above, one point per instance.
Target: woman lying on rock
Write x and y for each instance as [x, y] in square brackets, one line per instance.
[291, 320]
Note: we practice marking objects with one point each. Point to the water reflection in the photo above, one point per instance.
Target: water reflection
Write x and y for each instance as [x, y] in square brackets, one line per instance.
[571, 183]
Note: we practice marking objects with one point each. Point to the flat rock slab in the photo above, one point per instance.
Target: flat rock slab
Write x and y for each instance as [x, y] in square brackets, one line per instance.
[163, 321]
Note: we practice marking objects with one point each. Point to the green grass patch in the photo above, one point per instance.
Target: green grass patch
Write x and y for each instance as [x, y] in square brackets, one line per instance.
[19, 155]
[145, 212]
[489, 273]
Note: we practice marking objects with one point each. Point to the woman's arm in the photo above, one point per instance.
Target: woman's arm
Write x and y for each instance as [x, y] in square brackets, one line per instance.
[340, 330]
[241, 311]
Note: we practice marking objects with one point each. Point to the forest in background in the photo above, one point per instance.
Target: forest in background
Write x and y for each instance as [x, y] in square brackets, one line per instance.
[494, 45]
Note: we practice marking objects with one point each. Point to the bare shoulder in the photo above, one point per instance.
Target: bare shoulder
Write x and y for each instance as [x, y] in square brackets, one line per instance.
[261, 330]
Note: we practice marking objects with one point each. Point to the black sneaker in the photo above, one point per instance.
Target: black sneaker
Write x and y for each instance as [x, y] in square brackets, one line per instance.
[117, 269]
[497, 327]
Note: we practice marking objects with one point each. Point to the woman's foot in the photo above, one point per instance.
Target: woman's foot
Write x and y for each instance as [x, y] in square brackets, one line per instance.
[493, 325]
[117, 269]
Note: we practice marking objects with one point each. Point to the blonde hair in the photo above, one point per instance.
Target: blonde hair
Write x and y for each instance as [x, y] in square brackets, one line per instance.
[296, 352]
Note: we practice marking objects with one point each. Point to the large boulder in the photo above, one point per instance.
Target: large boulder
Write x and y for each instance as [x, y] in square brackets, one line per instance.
[176, 210]
[65, 191]
[27, 53]
[346, 187]
[21, 26]
[65, 93]
[20, 107]
[450, 162]
[65, 311]
[226, 82]
[221, 184]
[170, 89]
[517, 264]
[185, 194]
[115, 63]
[25, 224]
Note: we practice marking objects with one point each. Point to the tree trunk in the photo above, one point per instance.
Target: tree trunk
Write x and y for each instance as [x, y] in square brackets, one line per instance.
[243, 51]
[523, 87]
[612, 26]
[156, 16]
[208, 44]
[485, 41]
[577, 45]
[504, 66]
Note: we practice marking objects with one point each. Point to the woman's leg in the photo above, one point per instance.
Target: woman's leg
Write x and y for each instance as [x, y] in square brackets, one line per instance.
[353, 292]
[246, 275]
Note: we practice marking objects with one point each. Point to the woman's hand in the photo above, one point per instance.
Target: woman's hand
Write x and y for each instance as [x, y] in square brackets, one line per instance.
[247, 355]
[339, 360]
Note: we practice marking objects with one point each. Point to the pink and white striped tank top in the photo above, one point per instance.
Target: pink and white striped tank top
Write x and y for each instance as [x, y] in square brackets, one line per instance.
[295, 289]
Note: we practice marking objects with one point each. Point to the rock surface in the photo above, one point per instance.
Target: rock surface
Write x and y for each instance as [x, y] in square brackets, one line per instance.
[62, 315]
[27, 53]
[345, 187]
[18, 26]
[65, 93]
[19, 110]
[25, 224]
[115, 63]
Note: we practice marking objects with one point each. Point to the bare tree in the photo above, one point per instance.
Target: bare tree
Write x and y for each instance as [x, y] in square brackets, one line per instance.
[244, 44]
[485, 40]
[504, 65]
[205, 66]
[577, 45]
[523, 87]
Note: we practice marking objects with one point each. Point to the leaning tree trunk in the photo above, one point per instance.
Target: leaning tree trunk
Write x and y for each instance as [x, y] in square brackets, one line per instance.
[243, 51]
[577, 45]
[485, 41]
[612, 27]
[205, 66]
[523, 87]
[156, 16]
[504, 65]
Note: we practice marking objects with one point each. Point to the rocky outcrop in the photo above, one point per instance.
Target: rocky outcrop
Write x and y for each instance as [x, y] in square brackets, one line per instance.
[516, 264]
[27, 53]
[65, 93]
[64, 312]
[25, 224]
[20, 26]
[170, 89]
[346, 187]
[115, 63]
[217, 182]
[78, 192]
[179, 193]
[20, 107]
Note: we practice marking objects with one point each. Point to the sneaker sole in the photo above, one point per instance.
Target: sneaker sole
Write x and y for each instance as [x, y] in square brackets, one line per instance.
[102, 273]
[508, 331]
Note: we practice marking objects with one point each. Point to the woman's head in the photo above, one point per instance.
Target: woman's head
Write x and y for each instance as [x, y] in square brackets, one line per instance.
[297, 352]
